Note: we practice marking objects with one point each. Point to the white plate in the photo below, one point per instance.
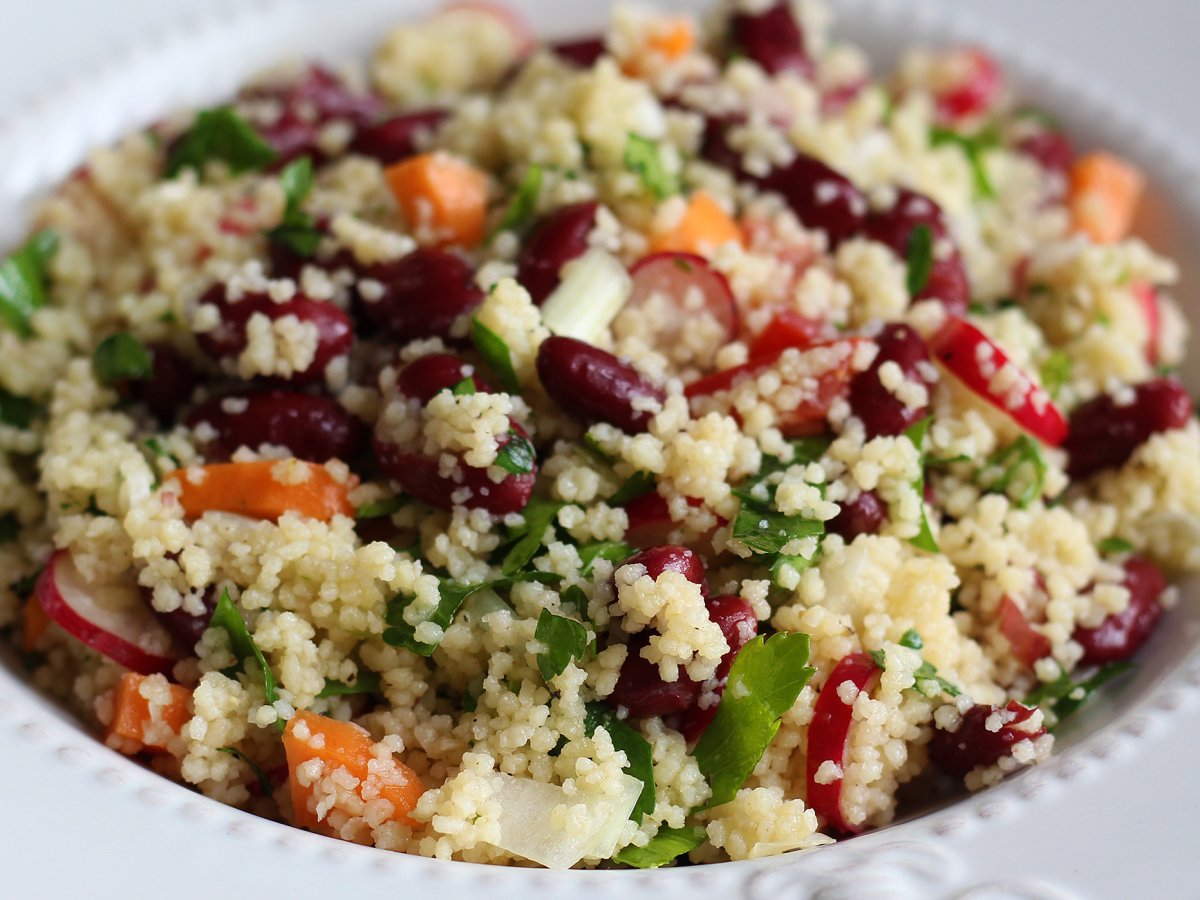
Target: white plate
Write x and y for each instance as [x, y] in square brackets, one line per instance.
[1110, 815]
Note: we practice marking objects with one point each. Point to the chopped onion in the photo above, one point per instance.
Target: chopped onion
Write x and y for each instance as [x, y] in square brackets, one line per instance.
[594, 288]
[532, 826]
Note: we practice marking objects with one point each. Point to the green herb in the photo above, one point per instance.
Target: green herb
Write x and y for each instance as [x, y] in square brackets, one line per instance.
[10, 528]
[228, 617]
[1056, 372]
[924, 539]
[517, 456]
[613, 551]
[1023, 458]
[919, 254]
[666, 846]
[1114, 546]
[637, 485]
[880, 659]
[538, 516]
[1040, 116]
[1064, 697]
[524, 205]
[220, 134]
[574, 596]
[298, 230]
[565, 640]
[637, 751]
[495, 353]
[264, 783]
[926, 673]
[122, 357]
[759, 525]
[19, 412]
[465, 388]
[366, 683]
[23, 281]
[766, 678]
[798, 563]
[591, 447]
[912, 640]
[975, 148]
[383, 509]
[643, 157]
[155, 446]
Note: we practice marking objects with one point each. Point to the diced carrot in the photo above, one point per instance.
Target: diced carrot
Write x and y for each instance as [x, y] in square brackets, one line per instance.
[1104, 196]
[34, 623]
[704, 227]
[442, 195]
[344, 745]
[137, 725]
[668, 37]
[265, 490]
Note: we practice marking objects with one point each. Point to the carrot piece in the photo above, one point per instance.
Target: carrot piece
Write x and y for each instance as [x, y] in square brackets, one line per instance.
[34, 624]
[140, 727]
[343, 745]
[265, 490]
[704, 227]
[1104, 196]
[673, 37]
[442, 195]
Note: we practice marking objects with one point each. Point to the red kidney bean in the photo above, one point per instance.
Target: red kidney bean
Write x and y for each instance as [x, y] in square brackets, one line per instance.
[183, 626]
[671, 558]
[313, 428]
[1105, 433]
[425, 378]
[774, 40]
[424, 294]
[1120, 635]
[715, 145]
[395, 139]
[1052, 149]
[737, 621]
[335, 334]
[556, 240]
[170, 385]
[592, 385]
[865, 514]
[583, 53]
[882, 412]
[821, 197]
[973, 746]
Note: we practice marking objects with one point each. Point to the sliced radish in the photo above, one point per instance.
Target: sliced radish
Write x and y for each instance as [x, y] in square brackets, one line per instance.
[524, 40]
[693, 288]
[975, 93]
[1028, 644]
[1147, 297]
[829, 735]
[790, 329]
[979, 363]
[112, 620]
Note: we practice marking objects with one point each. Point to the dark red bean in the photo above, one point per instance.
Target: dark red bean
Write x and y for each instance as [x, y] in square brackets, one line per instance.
[592, 385]
[715, 145]
[882, 412]
[1106, 433]
[397, 138]
[1052, 149]
[170, 385]
[183, 626]
[641, 690]
[821, 197]
[737, 621]
[671, 558]
[313, 428]
[424, 294]
[1120, 635]
[425, 378]
[865, 514]
[774, 40]
[973, 746]
[335, 334]
[556, 240]
[583, 53]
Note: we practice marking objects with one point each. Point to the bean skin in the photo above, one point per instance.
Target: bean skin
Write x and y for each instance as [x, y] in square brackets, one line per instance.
[592, 385]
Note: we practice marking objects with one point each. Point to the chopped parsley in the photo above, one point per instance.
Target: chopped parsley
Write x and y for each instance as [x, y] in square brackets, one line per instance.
[517, 456]
[1114, 546]
[264, 783]
[1064, 697]
[975, 148]
[925, 674]
[298, 230]
[465, 388]
[637, 485]
[1056, 372]
[565, 640]
[637, 751]
[1021, 464]
[524, 205]
[19, 412]
[575, 596]
[538, 516]
[496, 354]
[919, 254]
[228, 617]
[666, 846]
[383, 509]
[220, 134]
[760, 526]
[23, 278]
[122, 357]
[924, 539]
[643, 157]
[155, 446]
[613, 551]
[912, 640]
[366, 683]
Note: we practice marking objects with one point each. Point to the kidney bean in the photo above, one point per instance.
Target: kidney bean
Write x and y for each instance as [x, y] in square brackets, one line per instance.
[583, 53]
[170, 385]
[555, 241]
[865, 514]
[396, 139]
[592, 385]
[737, 621]
[881, 411]
[423, 294]
[313, 428]
[773, 39]
[973, 745]
[821, 197]
[1052, 149]
[426, 377]
[715, 144]
[227, 341]
[670, 558]
[1120, 635]
[1105, 432]
[183, 626]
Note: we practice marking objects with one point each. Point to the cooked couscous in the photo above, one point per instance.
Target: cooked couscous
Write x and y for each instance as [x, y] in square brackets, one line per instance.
[653, 448]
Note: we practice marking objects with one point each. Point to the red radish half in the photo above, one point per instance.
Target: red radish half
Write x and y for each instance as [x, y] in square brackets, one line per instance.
[1028, 644]
[1147, 297]
[979, 363]
[112, 620]
[691, 284]
[790, 329]
[829, 734]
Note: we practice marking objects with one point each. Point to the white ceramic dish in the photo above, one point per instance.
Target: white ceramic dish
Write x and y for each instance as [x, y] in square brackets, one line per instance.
[1110, 815]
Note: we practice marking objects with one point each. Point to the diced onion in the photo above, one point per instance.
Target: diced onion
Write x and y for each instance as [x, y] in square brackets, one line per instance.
[594, 288]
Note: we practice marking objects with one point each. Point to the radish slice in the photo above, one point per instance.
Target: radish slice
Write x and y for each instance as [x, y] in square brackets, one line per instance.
[692, 286]
[790, 329]
[1028, 644]
[829, 734]
[1147, 297]
[523, 37]
[112, 620]
[979, 363]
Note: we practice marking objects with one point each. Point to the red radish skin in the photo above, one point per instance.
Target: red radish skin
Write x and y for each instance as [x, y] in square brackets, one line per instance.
[130, 637]
[1147, 298]
[790, 329]
[1028, 644]
[678, 275]
[829, 735]
[976, 94]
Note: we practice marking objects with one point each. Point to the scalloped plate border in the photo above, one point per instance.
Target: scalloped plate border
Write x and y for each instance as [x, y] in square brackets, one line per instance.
[1027, 838]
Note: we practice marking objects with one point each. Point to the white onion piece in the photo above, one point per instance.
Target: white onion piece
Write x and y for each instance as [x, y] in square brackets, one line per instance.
[594, 287]
[111, 619]
[532, 822]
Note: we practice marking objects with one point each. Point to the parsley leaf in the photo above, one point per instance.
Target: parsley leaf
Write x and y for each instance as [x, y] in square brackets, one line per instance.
[495, 353]
[643, 157]
[465, 388]
[613, 551]
[228, 617]
[919, 254]
[366, 683]
[637, 485]
[538, 515]
[926, 672]
[298, 230]
[766, 531]
[23, 281]
[155, 446]
[122, 357]
[666, 846]
[10, 528]
[264, 783]
[637, 752]
[1114, 546]
[220, 133]
[591, 447]
[766, 678]
[974, 147]
[19, 412]
[383, 509]
[524, 204]
[565, 640]
[1064, 697]
[912, 640]
[924, 539]
[517, 456]
[575, 596]
[1056, 372]
[1022, 463]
